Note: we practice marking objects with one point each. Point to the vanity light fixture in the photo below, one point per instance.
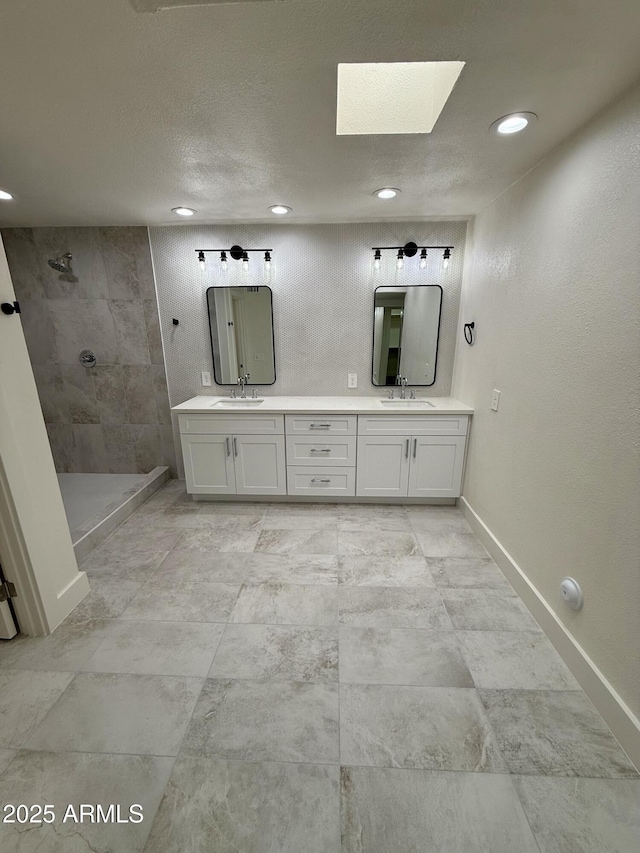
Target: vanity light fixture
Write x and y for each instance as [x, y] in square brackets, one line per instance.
[512, 123]
[202, 261]
[183, 211]
[408, 251]
[238, 254]
[5, 196]
[280, 209]
[387, 192]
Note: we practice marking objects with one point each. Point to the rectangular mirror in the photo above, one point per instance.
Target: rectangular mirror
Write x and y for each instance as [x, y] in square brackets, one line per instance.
[241, 326]
[406, 326]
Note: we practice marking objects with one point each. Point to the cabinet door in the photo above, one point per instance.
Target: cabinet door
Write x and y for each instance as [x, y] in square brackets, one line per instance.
[260, 465]
[208, 464]
[436, 466]
[383, 466]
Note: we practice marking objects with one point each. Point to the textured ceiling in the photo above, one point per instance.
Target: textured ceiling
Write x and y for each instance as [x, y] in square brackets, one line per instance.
[112, 116]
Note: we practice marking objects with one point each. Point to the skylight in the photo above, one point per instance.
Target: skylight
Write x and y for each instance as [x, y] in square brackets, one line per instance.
[393, 97]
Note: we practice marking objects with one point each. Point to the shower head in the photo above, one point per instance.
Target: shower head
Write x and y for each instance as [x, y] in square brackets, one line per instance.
[61, 264]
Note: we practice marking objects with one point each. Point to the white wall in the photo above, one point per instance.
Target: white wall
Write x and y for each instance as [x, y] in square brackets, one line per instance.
[35, 543]
[553, 285]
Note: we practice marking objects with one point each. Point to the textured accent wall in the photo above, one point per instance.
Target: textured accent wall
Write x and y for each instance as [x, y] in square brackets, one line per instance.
[113, 418]
[555, 473]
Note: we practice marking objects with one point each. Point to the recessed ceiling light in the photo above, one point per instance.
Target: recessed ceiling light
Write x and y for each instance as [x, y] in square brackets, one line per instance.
[513, 123]
[183, 211]
[387, 192]
[393, 97]
[5, 196]
[280, 209]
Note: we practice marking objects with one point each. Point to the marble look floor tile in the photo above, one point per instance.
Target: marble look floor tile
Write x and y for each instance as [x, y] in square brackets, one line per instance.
[449, 543]
[134, 714]
[74, 778]
[582, 815]
[157, 648]
[366, 517]
[433, 728]
[277, 652]
[384, 571]
[25, 697]
[265, 721]
[288, 568]
[135, 537]
[469, 573]
[386, 543]
[65, 650]
[554, 733]
[167, 600]
[255, 510]
[280, 541]
[108, 599]
[435, 519]
[300, 521]
[136, 567]
[6, 757]
[204, 567]
[487, 610]
[519, 660]
[286, 604]
[224, 539]
[397, 811]
[391, 607]
[302, 509]
[238, 807]
[396, 656]
[247, 519]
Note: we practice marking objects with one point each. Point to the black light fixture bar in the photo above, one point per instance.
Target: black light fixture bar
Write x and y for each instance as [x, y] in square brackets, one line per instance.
[236, 252]
[409, 250]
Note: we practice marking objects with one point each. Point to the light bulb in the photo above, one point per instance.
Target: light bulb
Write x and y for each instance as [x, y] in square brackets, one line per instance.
[5, 196]
[280, 209]
[183, 211]
[513, 125]
[400, 261]
[267, 261]
[445, 258]
[445, 264]
[423, 259]
[376, 259]
[224, 266]
[202, 261]
[245, 262]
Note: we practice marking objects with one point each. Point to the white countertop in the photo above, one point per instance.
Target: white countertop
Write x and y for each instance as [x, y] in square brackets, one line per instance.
[339, 405]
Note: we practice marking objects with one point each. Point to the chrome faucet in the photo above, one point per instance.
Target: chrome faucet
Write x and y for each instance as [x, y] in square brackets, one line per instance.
[403, 387]
[242, 381]
[233, 394]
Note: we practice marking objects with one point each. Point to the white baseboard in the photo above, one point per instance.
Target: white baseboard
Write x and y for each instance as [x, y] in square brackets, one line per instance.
[615, 712]
[69, 598]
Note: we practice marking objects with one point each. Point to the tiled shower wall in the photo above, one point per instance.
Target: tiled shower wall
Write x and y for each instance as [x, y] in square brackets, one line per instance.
[114, 417]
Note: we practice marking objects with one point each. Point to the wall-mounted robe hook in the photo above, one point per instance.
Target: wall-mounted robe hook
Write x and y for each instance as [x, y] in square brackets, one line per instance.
[469, 334]
[175, 322]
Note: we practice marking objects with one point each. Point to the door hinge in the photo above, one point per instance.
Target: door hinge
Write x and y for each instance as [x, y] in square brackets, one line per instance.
[7, 590]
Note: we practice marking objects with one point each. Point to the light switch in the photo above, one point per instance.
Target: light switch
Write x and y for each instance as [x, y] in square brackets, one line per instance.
[352, 380]
[495, 400]
[206, 377]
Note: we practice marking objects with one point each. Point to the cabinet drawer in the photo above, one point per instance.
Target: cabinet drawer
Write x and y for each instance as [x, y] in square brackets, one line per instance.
[413, 425]
[229, 424]
[321, 424]
[321, 481]
[321, 450]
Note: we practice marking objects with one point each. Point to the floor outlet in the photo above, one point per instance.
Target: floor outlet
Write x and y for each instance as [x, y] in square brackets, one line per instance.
[206, 377]
[495, 400]
[352, 380]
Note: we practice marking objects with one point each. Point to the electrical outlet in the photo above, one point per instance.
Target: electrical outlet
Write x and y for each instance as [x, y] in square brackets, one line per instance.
[206, 377]
[495, 400]
[352, 380]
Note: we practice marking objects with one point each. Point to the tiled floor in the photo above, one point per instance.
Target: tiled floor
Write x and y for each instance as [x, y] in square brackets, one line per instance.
[292, 679]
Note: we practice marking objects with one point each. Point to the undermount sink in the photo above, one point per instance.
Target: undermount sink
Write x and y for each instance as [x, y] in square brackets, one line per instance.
[407, 404]
[237, 403]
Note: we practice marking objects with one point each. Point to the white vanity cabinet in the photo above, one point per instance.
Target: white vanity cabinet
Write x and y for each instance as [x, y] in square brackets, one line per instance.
[233, 455]
[411, 456]
[321, 455]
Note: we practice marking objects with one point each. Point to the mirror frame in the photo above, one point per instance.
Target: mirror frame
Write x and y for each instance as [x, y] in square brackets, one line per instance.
[435, 363]
[273, 335]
